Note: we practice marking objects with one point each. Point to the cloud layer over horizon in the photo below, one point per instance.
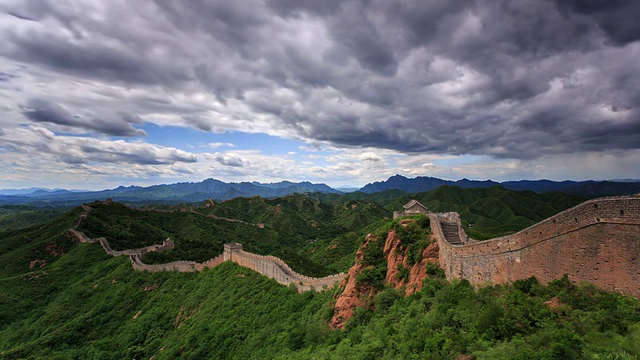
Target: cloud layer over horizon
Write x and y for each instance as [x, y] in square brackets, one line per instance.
[460, 88]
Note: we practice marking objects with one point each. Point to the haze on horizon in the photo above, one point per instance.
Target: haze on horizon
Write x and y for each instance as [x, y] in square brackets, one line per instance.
[96, 94]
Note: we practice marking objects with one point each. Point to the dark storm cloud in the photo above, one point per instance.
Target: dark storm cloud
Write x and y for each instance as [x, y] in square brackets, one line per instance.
[108, 48]
[359, 35]
[511, 79]
[43, 111]
[618, 18]
[517, 51]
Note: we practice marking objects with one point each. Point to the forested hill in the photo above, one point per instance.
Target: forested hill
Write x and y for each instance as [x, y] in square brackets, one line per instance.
[169, 193]
[589, 188]
[65, 300]
[486, 212]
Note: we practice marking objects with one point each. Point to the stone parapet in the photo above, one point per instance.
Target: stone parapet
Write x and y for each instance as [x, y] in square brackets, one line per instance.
[596, 241]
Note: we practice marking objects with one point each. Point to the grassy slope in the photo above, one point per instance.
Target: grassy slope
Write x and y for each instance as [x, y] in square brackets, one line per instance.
[326, 230]
[13, 217]
[83, 304]
[89, 305]
[492, 212]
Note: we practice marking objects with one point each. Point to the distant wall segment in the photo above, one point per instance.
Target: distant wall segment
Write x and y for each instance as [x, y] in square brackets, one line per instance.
[277, 269]
[597, 241]
[269, 266]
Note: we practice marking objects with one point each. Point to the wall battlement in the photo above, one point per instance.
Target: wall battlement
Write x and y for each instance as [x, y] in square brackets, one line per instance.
[596, 241]
[269, 266]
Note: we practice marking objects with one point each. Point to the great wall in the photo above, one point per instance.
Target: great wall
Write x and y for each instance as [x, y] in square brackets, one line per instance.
[597, 241]
[269, 266]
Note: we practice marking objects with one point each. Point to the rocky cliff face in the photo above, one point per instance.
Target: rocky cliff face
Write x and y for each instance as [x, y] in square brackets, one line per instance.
[398, 261]
[402, 271]
[353, 295]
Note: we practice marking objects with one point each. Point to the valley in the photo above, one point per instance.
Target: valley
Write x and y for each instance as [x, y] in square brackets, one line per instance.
[68, 297]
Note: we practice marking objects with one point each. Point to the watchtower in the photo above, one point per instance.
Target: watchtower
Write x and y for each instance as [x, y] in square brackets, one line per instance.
[231, 248]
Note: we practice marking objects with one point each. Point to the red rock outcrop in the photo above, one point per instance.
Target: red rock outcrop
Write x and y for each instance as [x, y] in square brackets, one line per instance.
[353, 296]
[395, 253]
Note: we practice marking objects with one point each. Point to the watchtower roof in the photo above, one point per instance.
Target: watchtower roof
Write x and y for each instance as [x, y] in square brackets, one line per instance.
[413, 203]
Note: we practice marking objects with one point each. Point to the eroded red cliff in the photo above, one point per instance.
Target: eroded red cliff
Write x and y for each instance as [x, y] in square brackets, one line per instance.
[353, 295]
[402, 272]
[398, 258]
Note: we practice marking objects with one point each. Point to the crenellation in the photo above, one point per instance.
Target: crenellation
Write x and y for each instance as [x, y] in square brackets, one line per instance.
[598, 241]
[267, 265]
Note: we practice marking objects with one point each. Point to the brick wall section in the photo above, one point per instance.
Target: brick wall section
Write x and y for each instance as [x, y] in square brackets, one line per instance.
[277, 269]
[597, 241]
[269, 266]
[180, 266]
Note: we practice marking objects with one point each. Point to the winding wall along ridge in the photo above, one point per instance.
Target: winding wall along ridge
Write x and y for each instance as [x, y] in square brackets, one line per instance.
[267, 265]
[596, 241]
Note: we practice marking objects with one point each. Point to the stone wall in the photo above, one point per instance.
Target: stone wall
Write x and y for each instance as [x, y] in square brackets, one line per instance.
[277, 269]
[597, 241]
[270, 266]
[180, 266]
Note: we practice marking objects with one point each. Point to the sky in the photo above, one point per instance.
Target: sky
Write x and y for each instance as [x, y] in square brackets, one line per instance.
[97, 94]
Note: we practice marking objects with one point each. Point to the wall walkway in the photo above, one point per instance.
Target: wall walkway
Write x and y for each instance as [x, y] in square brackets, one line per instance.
[269, 266]
[597, 241]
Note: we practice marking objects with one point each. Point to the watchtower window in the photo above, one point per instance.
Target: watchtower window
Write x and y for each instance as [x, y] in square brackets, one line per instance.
[595, 206]
[621, 212]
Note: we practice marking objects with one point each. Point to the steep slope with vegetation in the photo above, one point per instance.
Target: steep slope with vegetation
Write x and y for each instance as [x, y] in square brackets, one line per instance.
[65, 300]
[87, 304]
[492, 212]
[14, 217]
[326, 231]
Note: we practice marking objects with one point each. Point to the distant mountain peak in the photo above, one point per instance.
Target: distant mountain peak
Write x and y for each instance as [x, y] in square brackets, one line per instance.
[174, 193]
[588, 188]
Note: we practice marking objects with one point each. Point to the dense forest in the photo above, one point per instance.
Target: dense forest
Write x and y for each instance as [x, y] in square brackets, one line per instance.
[65, 300]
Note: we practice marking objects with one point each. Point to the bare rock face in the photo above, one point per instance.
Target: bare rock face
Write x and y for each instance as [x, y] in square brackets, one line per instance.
[352, 296]
[396, 255]
[397, 258]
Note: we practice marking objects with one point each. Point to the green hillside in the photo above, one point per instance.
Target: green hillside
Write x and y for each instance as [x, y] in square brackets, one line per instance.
[88, 305]
[492, 212]
[326, 231]
[20, 216]
[62, 300]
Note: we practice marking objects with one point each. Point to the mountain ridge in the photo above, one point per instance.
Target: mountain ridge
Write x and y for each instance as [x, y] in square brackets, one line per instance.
[589, 188]
[172, 193]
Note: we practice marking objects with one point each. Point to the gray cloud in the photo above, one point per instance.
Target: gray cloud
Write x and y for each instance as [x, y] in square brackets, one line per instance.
[518, 80]
[229, 160]
[79, 150]
[43, 111]
[618, 18]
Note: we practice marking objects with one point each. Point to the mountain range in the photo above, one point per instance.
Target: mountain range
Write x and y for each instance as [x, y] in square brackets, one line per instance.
[581, 188]
[171, 193]
[219, 190]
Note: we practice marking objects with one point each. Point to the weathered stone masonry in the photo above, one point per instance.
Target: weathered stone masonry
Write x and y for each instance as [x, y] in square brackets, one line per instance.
[597, 241]
[277, 269]
[269, 266]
